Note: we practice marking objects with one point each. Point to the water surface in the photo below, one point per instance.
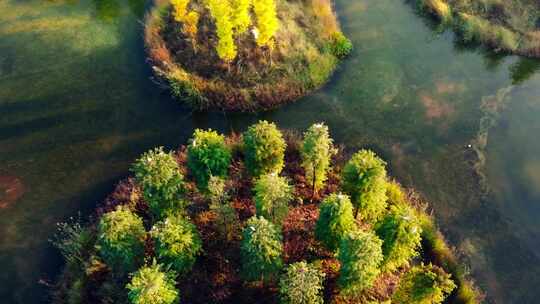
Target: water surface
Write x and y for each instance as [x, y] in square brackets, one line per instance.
[77, 105]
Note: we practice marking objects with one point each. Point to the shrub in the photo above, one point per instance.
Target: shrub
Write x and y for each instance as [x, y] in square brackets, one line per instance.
[335, 220]
[261, 250]
[267, 21]
[177, 243]
[121, 239]
[221, 12]
[401, 235]
[241, 19]
[316, 153]
[179, 9]
[226, 217]
[264, 149]
[162, 183]
[301, 284]
[340, 46]
[438, 8]
[364, 179]
[424, 284]
[272, 196]
[208, 155]
[152, 285]
[360, 255]
[73, 241]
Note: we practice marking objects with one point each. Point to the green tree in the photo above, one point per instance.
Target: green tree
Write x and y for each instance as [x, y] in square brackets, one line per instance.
[177, 243]
[121, 239]
[302, 283]
[221, 11]
[316, 151]
[335, 220]
[364, 179]
[267, 21]
[261, 250]
[226, 217]
[264, 149]
[360, 255]
[272, 196]
[424, 284]
[240, 15]
[208, 155]
[152, 285]
[158, 174]
[401, 235]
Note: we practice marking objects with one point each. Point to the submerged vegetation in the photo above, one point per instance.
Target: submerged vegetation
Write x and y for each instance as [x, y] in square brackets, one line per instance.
[243, 55]
[259, 238]
[506, 26]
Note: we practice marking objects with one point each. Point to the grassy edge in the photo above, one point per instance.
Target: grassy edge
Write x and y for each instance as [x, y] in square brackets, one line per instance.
[477, 29]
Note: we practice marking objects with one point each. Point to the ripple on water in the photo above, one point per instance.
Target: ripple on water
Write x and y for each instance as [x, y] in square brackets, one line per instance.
[11, 189]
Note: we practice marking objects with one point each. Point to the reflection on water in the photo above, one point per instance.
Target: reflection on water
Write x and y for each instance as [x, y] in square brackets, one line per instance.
[77, 106]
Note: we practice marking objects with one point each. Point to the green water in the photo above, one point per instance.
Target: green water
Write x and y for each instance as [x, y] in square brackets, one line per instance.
[77, 106]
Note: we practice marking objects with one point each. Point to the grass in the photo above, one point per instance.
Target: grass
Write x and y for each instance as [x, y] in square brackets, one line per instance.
[258, 78]
[505, 26]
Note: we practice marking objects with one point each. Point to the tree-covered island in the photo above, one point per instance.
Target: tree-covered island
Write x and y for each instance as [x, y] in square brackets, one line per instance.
[260, 217]
[243, 55]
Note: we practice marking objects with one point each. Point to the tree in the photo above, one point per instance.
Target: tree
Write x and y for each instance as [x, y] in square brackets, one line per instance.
[221, 11]
[302, 283]
[267, 21]
[424, 284]
[177, 243]
[264, 149]
[272, 196]
[335, 220]
[121, 239]
[261, 250]
[158, 174]
[208, 155]
[360, 255]
[241, 19]
[226, 217]
[364, 179]
[180, 9]
[152, 285]
[316, 152]
[189, 19]
[400, 232]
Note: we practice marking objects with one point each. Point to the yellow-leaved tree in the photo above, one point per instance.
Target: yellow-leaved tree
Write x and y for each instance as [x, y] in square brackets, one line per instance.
[221, 11]
[189, 19]
[267, 21]
[240, 15]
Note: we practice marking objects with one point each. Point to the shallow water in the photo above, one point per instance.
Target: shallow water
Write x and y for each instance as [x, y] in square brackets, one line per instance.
[77, 106]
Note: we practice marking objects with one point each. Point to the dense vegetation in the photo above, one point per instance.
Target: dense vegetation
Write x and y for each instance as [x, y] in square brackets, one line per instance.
[259, 236]
[243, 55]
[507, 26]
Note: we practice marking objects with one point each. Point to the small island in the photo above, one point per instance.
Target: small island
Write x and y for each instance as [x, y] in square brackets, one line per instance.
[243, 55]
[260, 217]
[504, 26]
